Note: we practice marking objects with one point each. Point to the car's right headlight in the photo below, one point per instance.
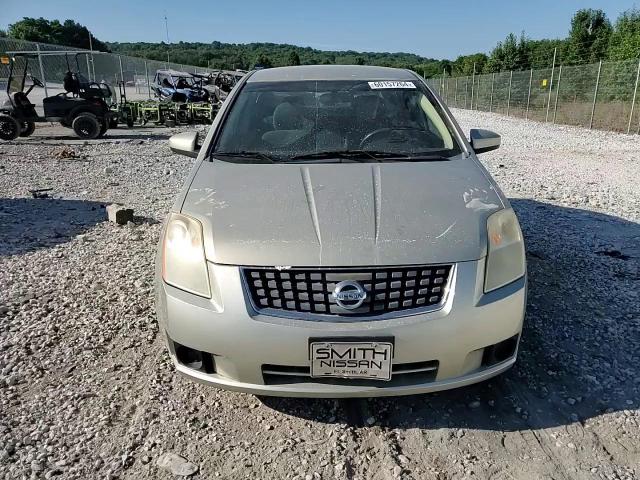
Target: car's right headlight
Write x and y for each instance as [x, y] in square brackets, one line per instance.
[506, 257]
[183, 260]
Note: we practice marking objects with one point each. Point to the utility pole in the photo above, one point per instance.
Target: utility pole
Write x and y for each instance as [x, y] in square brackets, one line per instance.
[166, 27]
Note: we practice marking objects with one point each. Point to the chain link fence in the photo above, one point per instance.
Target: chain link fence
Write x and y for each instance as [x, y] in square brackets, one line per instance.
[602, 95]
[49, 64]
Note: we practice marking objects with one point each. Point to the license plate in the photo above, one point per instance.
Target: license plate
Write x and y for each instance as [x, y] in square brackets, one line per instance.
[371, 360]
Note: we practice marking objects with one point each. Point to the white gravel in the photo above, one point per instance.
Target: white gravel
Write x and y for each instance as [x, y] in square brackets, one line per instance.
[87, 390]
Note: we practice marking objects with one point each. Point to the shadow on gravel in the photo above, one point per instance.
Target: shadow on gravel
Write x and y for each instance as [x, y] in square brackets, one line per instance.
[579, 354]
[29, 224]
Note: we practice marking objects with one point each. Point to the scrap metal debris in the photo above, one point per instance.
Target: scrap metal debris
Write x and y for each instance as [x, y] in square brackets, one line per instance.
[65, 153]
[41, 193]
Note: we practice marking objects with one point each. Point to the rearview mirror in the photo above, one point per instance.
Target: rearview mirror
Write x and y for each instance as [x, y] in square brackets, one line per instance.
[185, 144]
[484, 140]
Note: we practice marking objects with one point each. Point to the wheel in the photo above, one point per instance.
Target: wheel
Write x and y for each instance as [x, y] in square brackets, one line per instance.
[170, 123]
[9, 128]
[130, 122]
[113, 122]
[27, 128]
[86, 125]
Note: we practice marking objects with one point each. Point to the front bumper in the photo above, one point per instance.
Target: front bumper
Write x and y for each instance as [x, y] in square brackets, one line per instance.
[456, 338]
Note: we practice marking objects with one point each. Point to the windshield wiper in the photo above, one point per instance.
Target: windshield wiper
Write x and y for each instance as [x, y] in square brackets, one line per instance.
[355, 155]
[425, 157]
[246, 154]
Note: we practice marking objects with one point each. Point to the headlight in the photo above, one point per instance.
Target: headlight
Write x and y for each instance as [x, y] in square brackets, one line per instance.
[183, 262]
[506, 258]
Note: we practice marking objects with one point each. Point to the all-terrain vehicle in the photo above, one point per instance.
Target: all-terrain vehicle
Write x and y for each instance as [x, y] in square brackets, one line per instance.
[82, 106]
[176, 86]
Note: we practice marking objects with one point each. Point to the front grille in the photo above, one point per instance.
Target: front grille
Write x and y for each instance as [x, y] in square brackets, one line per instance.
[309, 291]
[402, 374]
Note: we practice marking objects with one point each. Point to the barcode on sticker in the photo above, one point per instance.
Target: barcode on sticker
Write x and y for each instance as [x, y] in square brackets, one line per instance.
[388, 84]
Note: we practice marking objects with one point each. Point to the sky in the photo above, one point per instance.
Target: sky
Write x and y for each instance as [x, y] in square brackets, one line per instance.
[432, 29]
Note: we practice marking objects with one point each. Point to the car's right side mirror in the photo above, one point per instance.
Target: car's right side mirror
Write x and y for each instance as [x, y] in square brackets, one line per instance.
[484, 140]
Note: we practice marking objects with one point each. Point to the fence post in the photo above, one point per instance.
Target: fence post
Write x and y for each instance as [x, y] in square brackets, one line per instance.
[555, 105]
[146, 74]
[473, 83]
[88, 69]
[509, 96]
[455, 93]
[633, 102]
[121, 71]
[553, 67]
[595, 95]
[466, 90]
[493, 77]
[529, 94]
[44, 80]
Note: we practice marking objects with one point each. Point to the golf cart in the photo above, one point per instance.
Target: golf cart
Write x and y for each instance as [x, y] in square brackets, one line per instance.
[176, 86]
[82, 107]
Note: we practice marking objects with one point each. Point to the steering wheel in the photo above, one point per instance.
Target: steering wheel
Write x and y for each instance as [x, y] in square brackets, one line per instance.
[37, 82]
[384, 132]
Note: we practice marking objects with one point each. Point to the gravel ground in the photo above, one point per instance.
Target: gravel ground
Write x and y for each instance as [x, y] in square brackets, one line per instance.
[87, 390]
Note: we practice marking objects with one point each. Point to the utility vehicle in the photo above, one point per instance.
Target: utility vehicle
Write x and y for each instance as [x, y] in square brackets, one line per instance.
[82, 106]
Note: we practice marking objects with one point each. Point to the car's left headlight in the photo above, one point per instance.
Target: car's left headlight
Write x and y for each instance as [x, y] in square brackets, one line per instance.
[183, 260]
[506, 257]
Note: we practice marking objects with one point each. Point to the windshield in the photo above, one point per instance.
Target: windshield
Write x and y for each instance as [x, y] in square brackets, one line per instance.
[183, 82]
[288, 121]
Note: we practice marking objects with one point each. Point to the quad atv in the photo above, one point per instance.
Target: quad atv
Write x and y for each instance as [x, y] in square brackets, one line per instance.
[82, 107]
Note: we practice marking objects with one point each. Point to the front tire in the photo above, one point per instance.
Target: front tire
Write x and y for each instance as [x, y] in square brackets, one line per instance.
[27, 128]
[9, 128]
[87, 126]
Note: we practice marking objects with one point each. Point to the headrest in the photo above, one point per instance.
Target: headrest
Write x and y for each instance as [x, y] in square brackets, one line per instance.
[287, 117]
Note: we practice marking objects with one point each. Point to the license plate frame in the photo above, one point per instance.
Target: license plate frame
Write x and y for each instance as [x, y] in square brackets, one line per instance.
[371, 358]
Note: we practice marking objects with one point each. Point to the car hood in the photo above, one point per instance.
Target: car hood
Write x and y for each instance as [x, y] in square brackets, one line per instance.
[342, 214]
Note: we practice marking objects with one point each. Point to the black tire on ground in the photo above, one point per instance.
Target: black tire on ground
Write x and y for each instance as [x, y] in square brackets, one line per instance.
[170, 123]
[86, 125]
[104, 126]
[27, 128]
[113, 122]
[129, 122]
[9, 128]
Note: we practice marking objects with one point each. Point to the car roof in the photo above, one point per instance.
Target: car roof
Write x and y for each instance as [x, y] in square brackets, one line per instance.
[330, 72]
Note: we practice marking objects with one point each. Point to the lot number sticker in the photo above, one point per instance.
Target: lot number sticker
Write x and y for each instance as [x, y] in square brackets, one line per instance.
[380, 85]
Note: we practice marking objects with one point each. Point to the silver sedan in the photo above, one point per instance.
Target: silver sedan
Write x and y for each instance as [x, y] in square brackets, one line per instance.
[338, 237]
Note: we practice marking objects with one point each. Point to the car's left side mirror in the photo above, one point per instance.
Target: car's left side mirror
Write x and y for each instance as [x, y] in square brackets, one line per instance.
[484, 140]
[185, 144]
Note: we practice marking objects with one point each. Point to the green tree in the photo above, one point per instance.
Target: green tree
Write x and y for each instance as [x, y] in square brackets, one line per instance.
[294, 58]
[68, 33]
[589, 36]
[263, 61]
[625, 39]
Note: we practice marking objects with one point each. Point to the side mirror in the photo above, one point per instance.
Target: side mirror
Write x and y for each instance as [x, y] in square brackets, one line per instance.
[185, 144]
[484, 140]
